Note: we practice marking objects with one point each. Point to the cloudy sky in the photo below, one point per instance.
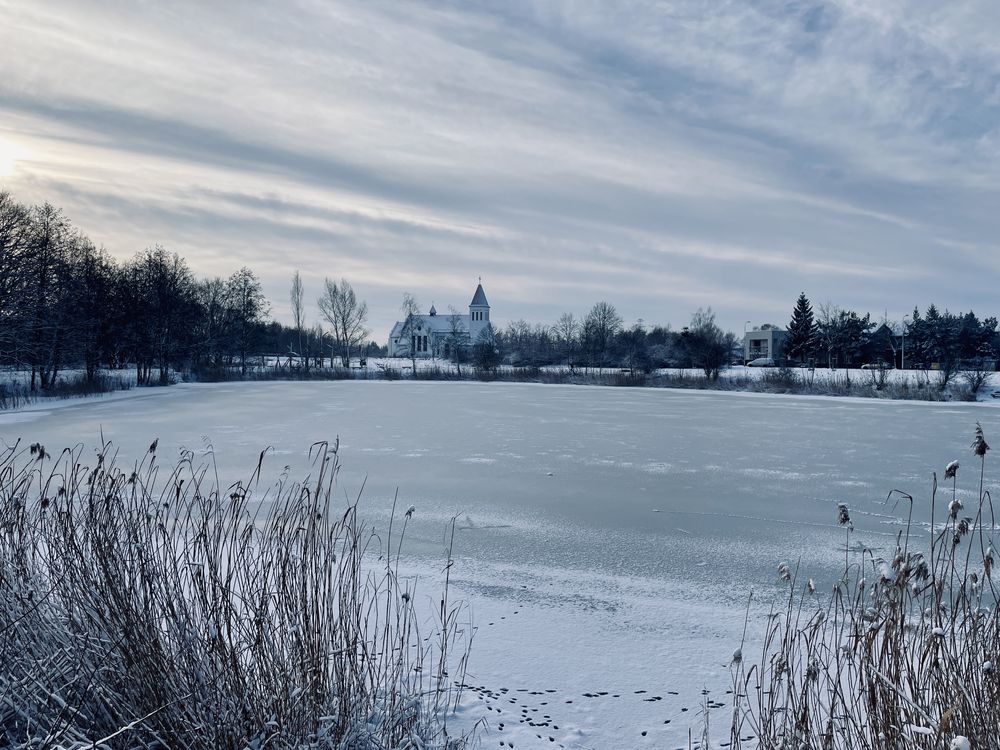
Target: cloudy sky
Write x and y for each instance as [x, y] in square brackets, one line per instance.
[664, 156]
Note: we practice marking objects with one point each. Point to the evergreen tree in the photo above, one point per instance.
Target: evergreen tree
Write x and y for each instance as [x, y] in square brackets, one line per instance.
[915, 340]
[933, 328]
[802, 330]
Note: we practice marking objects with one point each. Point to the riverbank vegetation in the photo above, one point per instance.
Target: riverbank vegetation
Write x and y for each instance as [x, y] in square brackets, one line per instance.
[903, 651]
[149, 607]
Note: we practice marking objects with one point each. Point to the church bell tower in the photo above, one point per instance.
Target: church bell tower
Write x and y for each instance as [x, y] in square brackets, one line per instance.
[479, 314]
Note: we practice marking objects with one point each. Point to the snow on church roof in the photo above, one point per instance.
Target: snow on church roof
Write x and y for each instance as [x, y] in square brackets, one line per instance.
[437, 323]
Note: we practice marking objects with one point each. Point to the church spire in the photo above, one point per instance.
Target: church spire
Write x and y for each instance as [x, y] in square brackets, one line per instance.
[479, 298]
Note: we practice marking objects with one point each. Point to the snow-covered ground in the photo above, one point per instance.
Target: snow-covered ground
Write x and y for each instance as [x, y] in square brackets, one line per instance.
[819, 377]
[607, 538]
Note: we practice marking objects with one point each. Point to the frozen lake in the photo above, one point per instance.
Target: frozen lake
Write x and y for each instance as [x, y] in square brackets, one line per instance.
[607, 539]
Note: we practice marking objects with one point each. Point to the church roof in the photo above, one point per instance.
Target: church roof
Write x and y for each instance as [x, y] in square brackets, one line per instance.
[436, 323]
[479, 298]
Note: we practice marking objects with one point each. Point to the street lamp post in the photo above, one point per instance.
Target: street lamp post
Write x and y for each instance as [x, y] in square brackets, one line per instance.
[902, 359]
[746, 348]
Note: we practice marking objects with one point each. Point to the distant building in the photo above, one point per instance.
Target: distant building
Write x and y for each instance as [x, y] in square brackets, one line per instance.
[766, 341]
[882, 346]
[434, 335]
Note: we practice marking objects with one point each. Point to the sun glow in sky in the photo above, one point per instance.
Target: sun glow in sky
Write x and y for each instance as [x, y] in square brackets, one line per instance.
[9, 155]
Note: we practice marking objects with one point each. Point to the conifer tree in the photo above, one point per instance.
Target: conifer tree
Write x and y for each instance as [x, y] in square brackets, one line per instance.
[802, 330]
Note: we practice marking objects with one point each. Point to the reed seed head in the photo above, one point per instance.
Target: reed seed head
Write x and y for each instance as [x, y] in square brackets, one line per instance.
[979, 445]
[784, 572]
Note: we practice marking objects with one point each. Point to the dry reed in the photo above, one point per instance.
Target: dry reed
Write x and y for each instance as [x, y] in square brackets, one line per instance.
[143, 609]
[901, 654]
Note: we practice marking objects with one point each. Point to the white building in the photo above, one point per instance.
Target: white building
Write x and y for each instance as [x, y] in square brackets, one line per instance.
[434, 335]
[766, 341]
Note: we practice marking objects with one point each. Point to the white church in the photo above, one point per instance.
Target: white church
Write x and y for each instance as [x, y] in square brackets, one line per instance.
[434, 335]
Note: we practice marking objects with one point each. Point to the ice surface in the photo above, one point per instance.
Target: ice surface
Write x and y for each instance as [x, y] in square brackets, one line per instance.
[607, 539]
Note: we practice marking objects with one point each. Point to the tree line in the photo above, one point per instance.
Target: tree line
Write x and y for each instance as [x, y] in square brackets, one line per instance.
[941, 339]
[65, 303]
[602, 339]
[830, 337]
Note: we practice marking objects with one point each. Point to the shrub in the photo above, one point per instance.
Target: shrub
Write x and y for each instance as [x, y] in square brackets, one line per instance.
[80, 385]
[15, 394]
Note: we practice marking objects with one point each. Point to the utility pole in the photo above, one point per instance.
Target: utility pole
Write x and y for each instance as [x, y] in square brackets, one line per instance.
[902, 359]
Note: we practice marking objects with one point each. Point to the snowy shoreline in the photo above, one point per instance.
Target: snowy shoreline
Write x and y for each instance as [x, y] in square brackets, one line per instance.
[679, 380]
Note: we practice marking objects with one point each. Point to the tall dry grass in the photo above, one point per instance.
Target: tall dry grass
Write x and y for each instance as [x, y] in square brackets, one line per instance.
[902, 654]
[151, 607]
[16, 393]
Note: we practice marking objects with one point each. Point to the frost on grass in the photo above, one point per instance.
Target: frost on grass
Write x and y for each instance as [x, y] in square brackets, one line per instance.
[900, 655]
[148, 607]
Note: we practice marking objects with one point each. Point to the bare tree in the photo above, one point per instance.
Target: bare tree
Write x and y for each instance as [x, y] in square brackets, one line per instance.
[314, 343]
[600, 327]
[15, 239]
[707, 344]
[249, 306]
[486, 354]
[216, 320]
[410, 309]
[298, 310]
[91, 289]
[165, 295]
[45, 266]
[458, 336]
[636, 346]
[978, 373]
[827, 329]
[566, 330]
[346, 315]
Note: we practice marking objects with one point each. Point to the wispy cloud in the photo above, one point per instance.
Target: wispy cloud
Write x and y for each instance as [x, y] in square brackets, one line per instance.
[662, 155]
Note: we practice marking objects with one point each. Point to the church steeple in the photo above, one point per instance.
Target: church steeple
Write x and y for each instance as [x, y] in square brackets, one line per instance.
[479, 298]
[479, 313]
